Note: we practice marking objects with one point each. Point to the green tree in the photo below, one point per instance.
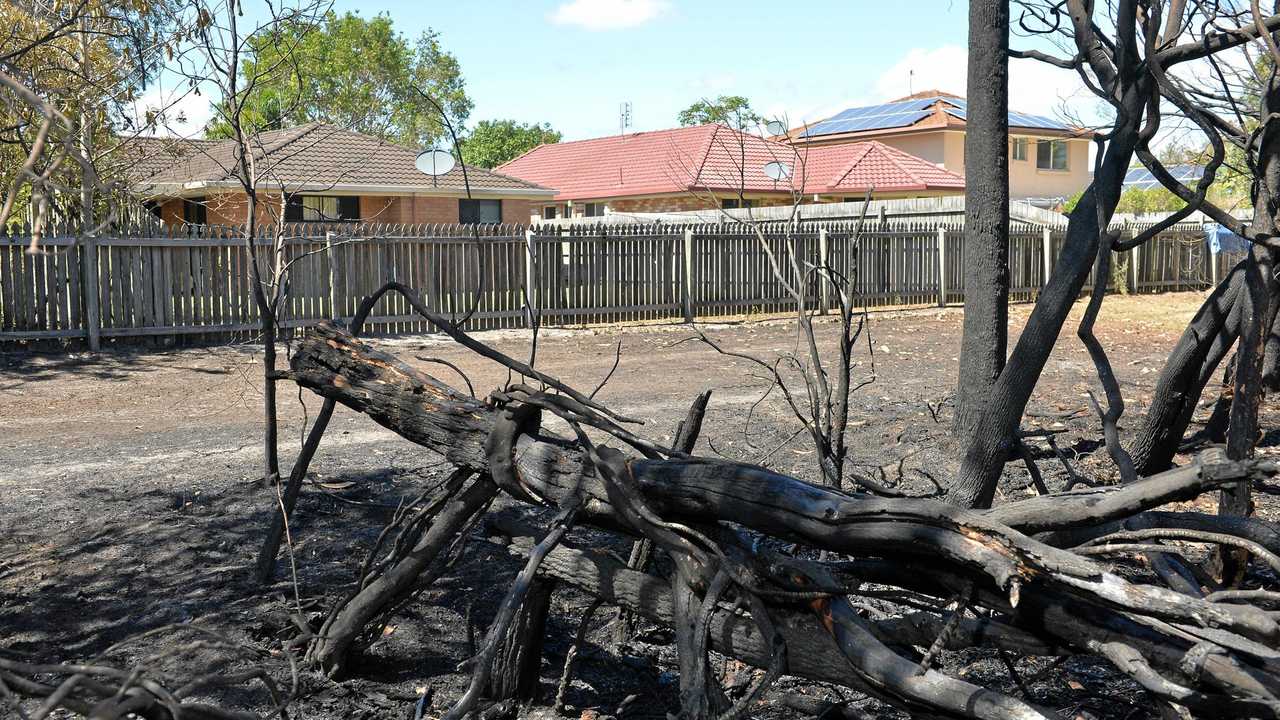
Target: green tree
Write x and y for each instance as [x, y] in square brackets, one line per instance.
[494, 142]
[1156, 199]
[354, 72]
[732, 110]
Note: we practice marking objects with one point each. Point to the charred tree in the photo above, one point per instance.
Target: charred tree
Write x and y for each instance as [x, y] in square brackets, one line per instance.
[986, 211]
[1062, 598]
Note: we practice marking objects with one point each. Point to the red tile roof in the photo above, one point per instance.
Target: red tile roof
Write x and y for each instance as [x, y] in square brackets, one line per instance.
[717, 158]
[862, 166]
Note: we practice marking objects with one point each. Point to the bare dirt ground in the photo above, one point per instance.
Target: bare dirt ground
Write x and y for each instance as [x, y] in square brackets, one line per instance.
[129, 498]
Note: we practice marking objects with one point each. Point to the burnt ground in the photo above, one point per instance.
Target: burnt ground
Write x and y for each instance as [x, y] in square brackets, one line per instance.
[130, 502]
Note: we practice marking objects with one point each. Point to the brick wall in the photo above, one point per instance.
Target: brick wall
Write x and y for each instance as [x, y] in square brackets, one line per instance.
[431, 209]
[516, 211]
[222, 209]
[229, 209]
[378, 208]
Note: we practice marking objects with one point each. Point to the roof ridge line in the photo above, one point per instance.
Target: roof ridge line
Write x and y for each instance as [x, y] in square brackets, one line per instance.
[706, 154]
[853, 163]
[892, 156]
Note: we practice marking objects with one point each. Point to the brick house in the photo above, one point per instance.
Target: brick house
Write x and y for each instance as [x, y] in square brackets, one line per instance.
[319, 173]
[1048, 159]
[694, 168]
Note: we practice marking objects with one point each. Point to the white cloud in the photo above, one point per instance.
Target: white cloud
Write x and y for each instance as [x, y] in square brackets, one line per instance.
[177, 112]
[608, 14]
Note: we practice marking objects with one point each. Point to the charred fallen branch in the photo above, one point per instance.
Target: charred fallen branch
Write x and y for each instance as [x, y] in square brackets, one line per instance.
[1215, 657]
[101, 690]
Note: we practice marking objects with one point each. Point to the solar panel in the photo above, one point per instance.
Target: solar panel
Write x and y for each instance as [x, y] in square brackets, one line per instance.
[875, 117]
[1016, 119]
[907, 112]
[1135, 175]
[1021, 119]
[1140, 177]
[895, 108]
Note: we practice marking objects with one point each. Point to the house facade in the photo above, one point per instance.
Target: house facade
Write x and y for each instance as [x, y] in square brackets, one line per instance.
[1048, 159]
[709, 166]
[319, 173]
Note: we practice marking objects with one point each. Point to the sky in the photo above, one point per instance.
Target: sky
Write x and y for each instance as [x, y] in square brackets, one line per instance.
[571, 63]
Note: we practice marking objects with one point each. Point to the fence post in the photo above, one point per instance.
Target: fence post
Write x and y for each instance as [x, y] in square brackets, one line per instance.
[89, 287]
[1047, 235]
[530, 292]
[688, 275]
[1134, 254]
[333, 260]
[1213, 266]
[824, 280]
[942, 266]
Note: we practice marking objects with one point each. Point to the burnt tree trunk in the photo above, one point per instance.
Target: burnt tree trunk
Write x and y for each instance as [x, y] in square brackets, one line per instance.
[518, 662]
[987, 445]
[1181, 383]
[986, 212]
[1257, 317]
[642, 551]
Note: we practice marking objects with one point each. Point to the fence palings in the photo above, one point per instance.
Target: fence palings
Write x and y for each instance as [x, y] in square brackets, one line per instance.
[199, 281]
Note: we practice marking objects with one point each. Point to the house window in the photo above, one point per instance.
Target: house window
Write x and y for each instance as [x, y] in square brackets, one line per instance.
[568, 210]
[195, 211]
[154, 207]
[549, 212]
[735, 203]
[1051, 154]
[479, 212]
[1018, 149]
[322, 208]
[594, 209]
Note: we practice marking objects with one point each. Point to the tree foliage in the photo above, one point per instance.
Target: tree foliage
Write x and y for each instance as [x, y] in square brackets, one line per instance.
[494, 142]
[88, 62]
[732, 110]
[353, 72]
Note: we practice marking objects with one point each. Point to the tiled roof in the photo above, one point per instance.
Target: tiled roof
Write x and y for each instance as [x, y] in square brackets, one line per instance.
[862, 166]
[717, 158]
[315, 154]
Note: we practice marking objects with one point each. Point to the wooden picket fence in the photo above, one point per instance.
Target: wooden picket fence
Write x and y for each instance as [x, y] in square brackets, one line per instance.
[197, 282]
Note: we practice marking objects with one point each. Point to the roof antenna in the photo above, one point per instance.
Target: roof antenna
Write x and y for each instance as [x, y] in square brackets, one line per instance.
[911, 76]
[624, 117]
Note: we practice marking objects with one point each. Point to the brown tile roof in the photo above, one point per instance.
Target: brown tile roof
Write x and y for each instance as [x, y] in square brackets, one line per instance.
[315, 155]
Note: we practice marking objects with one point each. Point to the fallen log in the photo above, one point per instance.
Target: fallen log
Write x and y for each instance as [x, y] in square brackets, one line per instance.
[1220, 649]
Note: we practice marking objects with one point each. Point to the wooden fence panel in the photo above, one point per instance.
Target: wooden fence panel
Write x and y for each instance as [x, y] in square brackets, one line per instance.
[201, 283]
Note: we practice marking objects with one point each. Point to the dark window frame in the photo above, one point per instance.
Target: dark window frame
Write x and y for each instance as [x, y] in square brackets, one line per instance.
[295, 209]
[1045, 160]
[1018, 149]
[470, 212]
[593, 209]
[736, 203]
[195, 210]
[549, 212]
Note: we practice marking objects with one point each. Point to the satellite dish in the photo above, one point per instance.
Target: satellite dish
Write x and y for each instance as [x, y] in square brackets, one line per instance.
[434, 162]
[775, 127]
[777, 171]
